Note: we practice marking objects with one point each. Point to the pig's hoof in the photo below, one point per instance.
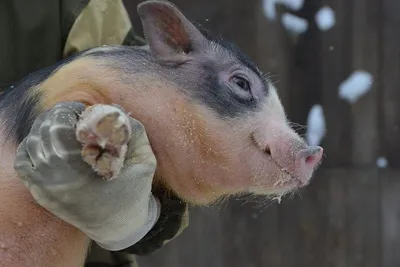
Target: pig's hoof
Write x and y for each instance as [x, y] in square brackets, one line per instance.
[104, 131]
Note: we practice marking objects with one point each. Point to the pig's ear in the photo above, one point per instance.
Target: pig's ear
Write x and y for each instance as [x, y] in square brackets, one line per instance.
[169, 34]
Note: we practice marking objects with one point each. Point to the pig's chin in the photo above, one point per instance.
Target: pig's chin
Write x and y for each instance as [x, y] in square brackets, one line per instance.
[283, 183]
[276, 179]
[289, 181]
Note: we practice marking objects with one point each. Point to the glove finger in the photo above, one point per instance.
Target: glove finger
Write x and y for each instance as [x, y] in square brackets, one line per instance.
[38, 123]
[138, 138]
[58, 131]
[140, 157]
[63, 143]
[22, 164]
[33, 142]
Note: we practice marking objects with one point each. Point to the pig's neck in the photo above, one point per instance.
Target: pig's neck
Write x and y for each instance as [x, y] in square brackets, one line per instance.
[164, 112]
[151, 100]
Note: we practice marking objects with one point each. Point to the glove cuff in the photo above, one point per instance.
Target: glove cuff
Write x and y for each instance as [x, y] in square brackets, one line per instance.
[133, 238]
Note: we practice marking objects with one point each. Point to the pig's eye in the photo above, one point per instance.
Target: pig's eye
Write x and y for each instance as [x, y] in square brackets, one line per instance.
[241, 82]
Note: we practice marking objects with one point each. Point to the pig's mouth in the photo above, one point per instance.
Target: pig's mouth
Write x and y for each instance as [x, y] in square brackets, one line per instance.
[304, 163]
[291, 178]
[267, 151]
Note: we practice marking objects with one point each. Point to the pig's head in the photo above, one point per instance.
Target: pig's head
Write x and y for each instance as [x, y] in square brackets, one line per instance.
[225, 131]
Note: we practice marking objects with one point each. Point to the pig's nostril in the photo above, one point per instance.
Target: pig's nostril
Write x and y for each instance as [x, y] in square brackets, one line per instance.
[310, 159]
[267, 150]
[312, 155]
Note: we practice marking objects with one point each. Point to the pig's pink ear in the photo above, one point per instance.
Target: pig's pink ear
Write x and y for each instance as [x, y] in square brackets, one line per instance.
[169, 34]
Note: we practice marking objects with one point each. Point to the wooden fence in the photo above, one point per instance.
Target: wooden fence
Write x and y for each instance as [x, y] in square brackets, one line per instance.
[350, 215]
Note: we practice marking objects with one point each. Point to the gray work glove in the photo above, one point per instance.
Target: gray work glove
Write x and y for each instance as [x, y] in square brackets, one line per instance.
[115, 214]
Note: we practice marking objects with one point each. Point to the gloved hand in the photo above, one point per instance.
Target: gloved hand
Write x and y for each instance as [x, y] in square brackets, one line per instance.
[115, 214]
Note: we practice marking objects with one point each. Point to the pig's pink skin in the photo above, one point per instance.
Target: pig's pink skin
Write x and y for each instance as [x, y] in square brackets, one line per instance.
[202, 158]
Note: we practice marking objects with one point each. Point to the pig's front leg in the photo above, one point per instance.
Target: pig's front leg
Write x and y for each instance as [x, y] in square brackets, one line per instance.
[104, 131]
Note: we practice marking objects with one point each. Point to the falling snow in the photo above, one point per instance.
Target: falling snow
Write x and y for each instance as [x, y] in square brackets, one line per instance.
[381, 162]
[269, 8]
[293, 4]
[316, 126]
[325, 18]
[355, 86]
[294, 23]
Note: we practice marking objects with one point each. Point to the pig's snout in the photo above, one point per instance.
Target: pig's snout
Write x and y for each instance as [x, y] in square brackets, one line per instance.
[289, 153]
[306, 161]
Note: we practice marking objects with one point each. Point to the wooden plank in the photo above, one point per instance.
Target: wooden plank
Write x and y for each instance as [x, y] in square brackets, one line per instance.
[305, 65]
[335, 246]
[363, 218]
[274, 54]
[209, 239]
[250, 234]
[365, 56]
[199, 245]
[289, 230]
[304, 220]
[390, 207]
[313, 221]
[336, 66]
[297, 216]
[391, 81]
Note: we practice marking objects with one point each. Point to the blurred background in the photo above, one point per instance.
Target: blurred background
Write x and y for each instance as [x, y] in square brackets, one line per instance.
[341, 60]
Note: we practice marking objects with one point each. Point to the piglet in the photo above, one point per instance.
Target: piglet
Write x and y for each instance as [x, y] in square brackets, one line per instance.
[215, 122]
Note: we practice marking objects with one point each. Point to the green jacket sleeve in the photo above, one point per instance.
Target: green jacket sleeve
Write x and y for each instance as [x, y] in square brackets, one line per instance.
[88, 24]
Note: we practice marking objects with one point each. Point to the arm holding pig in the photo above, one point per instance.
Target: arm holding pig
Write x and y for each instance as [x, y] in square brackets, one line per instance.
[173, 217]
[32, 236]
[115, 213]
[49, 162]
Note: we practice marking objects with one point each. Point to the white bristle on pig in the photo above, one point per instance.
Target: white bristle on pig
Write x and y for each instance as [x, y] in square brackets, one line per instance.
[316, 126]
[294, 23]
[355, 86]
[269, 8]
[293, 4]
[325, 18]
[381, 162]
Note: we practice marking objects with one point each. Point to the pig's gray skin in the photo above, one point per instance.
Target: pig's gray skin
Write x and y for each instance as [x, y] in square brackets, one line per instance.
[215, 122]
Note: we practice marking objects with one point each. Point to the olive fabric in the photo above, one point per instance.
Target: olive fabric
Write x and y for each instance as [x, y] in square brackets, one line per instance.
[39, 33]
[174, 218]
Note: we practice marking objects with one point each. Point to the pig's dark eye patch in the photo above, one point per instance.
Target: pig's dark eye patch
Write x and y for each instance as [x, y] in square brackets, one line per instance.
[223, 96]
[236, 52]
[232, 48]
